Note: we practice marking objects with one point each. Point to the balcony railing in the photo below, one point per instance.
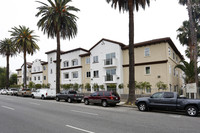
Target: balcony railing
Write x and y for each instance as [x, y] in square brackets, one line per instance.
[110, 62]
[109, 78]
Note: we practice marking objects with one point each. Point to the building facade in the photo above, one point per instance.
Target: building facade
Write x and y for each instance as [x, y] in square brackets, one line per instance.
[107, 64]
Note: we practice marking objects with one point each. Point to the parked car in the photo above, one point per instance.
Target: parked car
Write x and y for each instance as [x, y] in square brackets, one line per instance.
[44, 93]
[24, 92]
[169, 101]
[104, 98]
[69, 96]
[3, 91]
[12, 91]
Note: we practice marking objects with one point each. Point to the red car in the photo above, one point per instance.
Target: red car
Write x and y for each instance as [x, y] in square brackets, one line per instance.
[104, 98]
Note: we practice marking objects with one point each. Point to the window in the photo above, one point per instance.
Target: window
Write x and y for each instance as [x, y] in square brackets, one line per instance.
[30, 79]
[51, 60]
[157, 95]
[87, 74]
[169, 51]
[147, 52]
[38, 77]
[75, 62]
[96, 74]
[87, 60]
[65, 64]
[95, 59]
[147, 70]
[75, 74]
[94, 94]
[174, 56]
[174, 72]
[66, 75]
[35, 78]
[168, 95]
[106, 93]
[100, 93]
[51, 71]
[44, 77]
[110, 55]
[44, 68]
[148, 90]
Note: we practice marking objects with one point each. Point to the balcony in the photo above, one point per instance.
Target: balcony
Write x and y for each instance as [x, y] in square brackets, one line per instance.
[110, 78]
[110, 62]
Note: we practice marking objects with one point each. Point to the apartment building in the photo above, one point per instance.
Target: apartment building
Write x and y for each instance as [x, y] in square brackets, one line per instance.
[107, 63]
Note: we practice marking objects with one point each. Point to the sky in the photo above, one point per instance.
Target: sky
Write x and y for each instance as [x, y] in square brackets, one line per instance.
[97, 20]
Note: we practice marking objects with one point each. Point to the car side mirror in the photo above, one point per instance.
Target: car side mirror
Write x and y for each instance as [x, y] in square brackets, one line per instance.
[151, 97]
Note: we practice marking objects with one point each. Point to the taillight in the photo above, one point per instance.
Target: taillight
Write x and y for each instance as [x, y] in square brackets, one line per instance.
[46, 94]
[111, 98]
[74, 95]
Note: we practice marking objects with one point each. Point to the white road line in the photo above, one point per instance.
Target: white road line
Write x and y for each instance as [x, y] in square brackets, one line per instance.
[175, 116]
[8, 107]
[34, 103]
[79, 129]
[84, 112]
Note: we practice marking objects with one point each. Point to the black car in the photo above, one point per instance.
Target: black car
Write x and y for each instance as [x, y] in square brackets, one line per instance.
[104, 98]
[69, 96]
[169, 101]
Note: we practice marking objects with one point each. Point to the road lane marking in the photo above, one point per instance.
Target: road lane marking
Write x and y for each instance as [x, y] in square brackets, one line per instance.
[83, 112]
[175, 116]
[80, 129]
[8, 107]
[34, 103]
[8, 99]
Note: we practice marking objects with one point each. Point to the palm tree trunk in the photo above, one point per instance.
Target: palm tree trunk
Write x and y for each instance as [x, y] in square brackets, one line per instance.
[193, 36]
[131, 97]
[58, 63]
[24, 66]
[7, 72]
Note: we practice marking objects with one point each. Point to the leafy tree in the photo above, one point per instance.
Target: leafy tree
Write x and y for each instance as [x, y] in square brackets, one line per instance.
[38, 86]
[188, 69]
[13, 79]
[121, 86]
[88, 86]
[25, 42]
[130, 6]
[2, 77]
[31, 85]
[96, 87]
[102, 87]
[8, 49]
[191, 6]
[75, 86]
[161, 85]
[57, 21]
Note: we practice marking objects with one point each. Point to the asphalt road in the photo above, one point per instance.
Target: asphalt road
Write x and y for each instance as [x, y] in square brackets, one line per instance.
[26, 115]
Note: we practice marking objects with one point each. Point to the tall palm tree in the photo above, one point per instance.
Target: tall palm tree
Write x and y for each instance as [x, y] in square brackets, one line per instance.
[130, 6]
[8, 49]
[187, 52]
[25, 42]
[57, 21]
[188, 69]
[193, 35]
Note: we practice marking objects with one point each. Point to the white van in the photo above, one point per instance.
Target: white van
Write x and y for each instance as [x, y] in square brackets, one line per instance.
[44, 93]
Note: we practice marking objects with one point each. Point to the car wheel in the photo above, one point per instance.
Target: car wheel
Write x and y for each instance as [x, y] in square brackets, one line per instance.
[43, 97]
[104, 103]
[32, 96]
[192, 111]
[142, 106]
[57, 99]
[86, 101]
[69, 100]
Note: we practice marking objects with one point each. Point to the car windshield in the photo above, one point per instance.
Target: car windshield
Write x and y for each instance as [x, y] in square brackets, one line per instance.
[72, 92]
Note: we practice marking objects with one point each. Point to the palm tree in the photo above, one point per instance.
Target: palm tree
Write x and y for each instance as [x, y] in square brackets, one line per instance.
[57, 21]
[7, 49]
[130, 6]
[188, 69]
[187, 52]
[193, 35]
[25, 42]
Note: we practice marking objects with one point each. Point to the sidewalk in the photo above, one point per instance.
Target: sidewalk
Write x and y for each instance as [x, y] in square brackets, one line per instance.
[122, 104]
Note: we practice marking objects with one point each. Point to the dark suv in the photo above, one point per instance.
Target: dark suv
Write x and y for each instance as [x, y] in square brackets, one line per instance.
[104, 98]
[69, 96]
